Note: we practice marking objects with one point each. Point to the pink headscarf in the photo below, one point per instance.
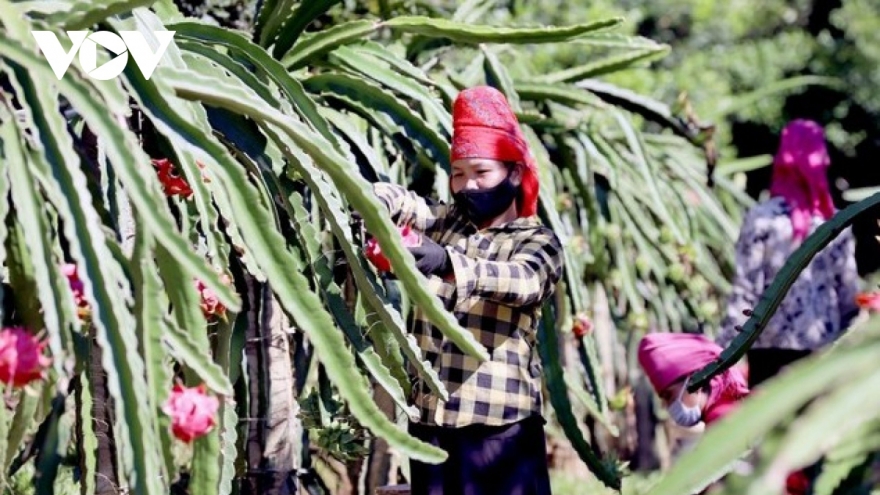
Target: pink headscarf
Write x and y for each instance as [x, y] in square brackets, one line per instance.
[669, 357]
[799, 174]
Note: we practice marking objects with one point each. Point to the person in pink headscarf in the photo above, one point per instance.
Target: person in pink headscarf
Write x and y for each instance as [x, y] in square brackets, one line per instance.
[670, 359]
[821, 303]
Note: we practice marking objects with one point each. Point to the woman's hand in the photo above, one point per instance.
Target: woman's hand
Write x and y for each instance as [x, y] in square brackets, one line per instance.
[431, 258]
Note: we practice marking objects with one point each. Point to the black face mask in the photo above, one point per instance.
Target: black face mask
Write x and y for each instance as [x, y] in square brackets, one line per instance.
[483, 205]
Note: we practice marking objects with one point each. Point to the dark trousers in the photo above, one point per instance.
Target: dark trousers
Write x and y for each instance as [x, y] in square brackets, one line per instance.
[484, 460]
[767, 363]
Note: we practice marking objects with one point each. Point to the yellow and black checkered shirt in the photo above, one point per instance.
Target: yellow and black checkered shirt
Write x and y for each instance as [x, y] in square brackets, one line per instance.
[502, 277]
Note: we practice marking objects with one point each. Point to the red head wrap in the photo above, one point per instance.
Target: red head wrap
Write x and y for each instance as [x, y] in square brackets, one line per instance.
[484, 126]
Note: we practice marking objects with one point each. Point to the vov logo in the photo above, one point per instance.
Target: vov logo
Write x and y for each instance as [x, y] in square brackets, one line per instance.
[87, 45]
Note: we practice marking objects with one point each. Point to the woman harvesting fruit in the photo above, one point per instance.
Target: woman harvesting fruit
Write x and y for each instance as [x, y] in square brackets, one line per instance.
[492, 263]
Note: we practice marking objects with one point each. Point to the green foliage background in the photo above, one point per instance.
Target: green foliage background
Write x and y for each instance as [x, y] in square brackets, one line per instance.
[733, 59]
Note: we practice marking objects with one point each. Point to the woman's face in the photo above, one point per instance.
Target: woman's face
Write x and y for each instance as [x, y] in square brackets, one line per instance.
[480, 173]
[670, 393]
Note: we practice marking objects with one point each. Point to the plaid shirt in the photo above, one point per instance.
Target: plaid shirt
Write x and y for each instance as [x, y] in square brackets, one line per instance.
[502, 276]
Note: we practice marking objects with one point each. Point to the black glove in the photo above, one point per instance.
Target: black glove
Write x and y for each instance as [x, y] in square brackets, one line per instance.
[431, 258]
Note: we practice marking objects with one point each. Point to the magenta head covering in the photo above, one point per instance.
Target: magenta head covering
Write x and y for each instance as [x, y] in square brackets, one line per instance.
[799, 174]
[670, 357]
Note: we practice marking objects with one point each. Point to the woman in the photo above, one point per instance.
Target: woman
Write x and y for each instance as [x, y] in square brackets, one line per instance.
[492, 264]
[670, 359]
[822, 302]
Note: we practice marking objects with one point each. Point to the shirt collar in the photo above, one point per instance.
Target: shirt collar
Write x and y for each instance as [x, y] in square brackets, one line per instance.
[520, 223]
